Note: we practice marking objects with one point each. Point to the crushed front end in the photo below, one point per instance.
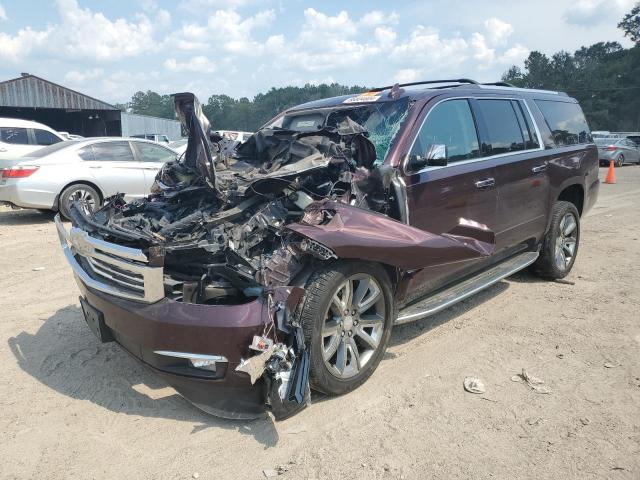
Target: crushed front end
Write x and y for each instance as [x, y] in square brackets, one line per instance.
[201, 280]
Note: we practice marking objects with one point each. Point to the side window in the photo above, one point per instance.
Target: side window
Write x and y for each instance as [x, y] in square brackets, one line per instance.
[15, 136]
[86, 153]
[112, 152]
[504, 131]
[45, 138]
[566, 122]
[149, 152]
[449, 123]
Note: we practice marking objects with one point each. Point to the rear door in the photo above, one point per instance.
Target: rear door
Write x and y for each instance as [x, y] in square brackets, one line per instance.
[115, 168]
[510, 136]
[152, 157]
[439, 196]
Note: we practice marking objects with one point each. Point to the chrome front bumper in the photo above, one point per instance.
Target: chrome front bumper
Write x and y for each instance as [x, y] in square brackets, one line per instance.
[116, 270]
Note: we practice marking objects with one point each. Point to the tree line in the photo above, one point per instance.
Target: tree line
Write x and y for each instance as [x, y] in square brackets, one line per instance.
[603, 77]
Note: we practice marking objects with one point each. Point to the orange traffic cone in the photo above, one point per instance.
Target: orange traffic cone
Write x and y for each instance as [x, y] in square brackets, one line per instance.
[611, 174]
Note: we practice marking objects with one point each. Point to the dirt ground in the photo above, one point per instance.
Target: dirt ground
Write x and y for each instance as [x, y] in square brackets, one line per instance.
[74, 408]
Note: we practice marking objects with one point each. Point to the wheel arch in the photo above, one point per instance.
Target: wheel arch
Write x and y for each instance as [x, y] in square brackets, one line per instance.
[573, 193]
[78, 182]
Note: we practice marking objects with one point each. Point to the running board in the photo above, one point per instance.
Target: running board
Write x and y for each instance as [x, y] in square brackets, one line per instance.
[444, 299]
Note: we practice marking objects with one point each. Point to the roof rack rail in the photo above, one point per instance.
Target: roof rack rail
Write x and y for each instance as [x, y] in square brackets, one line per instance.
[500, 84]
[427, 82]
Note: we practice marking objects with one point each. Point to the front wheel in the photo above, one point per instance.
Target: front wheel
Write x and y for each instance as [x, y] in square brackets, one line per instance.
[347, 317]
[620, 161]
[560, 244]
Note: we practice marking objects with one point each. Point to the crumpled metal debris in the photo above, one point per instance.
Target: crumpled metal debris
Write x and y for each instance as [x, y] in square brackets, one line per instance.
[474, 385]
[255, 365]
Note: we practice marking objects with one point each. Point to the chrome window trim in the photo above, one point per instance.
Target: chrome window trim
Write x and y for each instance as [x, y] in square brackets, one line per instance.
[405, 162]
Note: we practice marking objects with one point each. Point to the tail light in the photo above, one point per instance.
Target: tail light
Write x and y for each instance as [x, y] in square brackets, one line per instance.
[19, 172]
[611, 148]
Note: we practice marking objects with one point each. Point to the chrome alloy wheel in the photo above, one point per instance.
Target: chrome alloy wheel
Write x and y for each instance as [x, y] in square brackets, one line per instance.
[86, 199]
[566, 241]
[353, 325]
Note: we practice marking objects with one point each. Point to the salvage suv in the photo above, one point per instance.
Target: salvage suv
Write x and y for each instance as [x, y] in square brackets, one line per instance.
[256, 271]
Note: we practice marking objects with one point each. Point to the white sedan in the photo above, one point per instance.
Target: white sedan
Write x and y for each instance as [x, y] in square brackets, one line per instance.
[88, 170]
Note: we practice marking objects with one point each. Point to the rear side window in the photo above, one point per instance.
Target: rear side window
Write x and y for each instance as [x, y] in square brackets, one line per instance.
[45, 138]
[15, 136]
[526, 125]
[505, 134]
[566, 122]
[449, 123]
[149, 152]
[112, 152]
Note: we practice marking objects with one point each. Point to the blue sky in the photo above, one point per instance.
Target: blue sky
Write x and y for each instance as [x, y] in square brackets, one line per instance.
[243, 47]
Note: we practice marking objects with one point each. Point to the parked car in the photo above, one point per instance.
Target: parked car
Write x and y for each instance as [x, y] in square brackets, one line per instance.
[88, 170]
[156, 137]
[179, 146]
[70, 136]
[620, 150]
[248, 277]
[21, 137]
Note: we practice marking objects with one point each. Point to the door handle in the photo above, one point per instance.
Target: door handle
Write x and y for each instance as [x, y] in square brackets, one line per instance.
[539, 168]
[487, 182]
[95, 166]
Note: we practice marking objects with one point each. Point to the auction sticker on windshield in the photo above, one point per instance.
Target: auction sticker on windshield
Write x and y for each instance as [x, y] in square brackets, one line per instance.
[363, 97]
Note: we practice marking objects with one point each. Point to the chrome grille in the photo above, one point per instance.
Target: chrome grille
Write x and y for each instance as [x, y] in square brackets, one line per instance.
[111, 268]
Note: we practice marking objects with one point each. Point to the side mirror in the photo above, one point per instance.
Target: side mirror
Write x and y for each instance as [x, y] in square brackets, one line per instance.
[437, 155]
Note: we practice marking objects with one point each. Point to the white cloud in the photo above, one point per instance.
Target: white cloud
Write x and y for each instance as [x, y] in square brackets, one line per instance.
[82, 34]
[497, 31]
[226, 29]
[3, 13]
[588, 13]
[376, 18]
[77, 77]
[385, 36]
[408, 75]
[200, 64]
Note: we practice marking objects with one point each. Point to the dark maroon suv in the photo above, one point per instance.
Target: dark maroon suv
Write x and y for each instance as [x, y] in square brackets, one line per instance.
[256, 271]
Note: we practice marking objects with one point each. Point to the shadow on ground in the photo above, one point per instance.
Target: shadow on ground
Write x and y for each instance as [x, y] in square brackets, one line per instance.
[25, 217]
[65, 356]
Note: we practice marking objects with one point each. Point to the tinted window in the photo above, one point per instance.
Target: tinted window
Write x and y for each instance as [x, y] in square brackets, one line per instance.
[154, 153]
[45, 138]
[526, 125]
[112, 152]
[86, 153]
[566, 121]
[16, 136]
[449, 123]
[503, 129]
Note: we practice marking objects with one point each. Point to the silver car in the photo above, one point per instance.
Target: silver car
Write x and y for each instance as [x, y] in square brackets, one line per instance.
[620, 150]
[88, 170]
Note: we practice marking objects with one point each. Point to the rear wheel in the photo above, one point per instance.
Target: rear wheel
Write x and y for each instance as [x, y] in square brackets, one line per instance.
[560, 244]
[347, 317]
[86, 195]
[620, 161]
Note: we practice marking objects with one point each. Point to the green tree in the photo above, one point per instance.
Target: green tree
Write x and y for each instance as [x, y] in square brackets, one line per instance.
[151, 103]
[630, 24]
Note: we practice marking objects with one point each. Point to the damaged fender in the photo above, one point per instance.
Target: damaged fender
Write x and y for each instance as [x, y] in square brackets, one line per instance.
[361, 234]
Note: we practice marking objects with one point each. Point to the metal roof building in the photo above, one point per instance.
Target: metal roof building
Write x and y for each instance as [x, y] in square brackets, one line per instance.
[33, 98]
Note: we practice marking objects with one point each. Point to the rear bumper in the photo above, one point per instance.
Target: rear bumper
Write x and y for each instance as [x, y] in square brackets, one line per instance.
[13, 192]
[225, 331]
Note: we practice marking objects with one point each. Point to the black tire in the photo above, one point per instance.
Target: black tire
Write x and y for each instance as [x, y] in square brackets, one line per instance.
[620, 161]
[320, 290]
[75, 190]
[547, 265]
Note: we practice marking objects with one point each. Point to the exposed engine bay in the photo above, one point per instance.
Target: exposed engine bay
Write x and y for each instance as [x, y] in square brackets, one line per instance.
[217, 220]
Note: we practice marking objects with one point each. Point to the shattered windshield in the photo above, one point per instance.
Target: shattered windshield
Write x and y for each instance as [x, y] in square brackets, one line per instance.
[381, 121]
